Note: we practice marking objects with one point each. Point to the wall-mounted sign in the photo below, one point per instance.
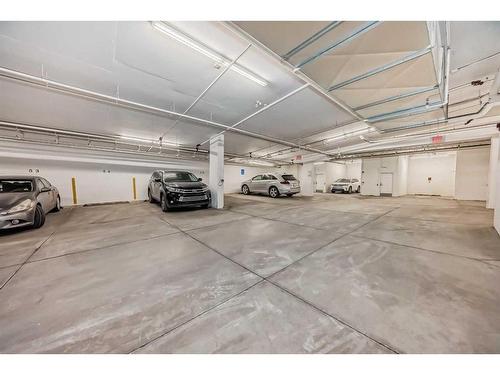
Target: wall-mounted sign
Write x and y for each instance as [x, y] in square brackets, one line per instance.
[437, 139]
[242, 172]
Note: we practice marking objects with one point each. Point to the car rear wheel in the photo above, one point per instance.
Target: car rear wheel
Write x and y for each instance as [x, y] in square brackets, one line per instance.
[150, 197]
[245, 190]
[274, 192]
[164, 203]
[358, 189]
[58, 204]
[350, 189]
[39, 217]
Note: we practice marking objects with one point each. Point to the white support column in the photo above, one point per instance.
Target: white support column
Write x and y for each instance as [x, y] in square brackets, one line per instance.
[496, 219]
[306, 177]
[216, 171]
[492, 172]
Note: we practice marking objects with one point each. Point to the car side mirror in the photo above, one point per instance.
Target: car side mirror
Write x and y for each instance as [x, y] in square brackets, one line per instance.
[200, 179]
[44, 189]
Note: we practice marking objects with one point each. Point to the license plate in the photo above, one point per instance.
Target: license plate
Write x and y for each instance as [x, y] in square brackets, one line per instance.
[193, 198]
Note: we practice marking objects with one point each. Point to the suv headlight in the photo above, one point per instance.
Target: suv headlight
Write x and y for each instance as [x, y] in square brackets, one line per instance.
[23, 206]
[174, 189]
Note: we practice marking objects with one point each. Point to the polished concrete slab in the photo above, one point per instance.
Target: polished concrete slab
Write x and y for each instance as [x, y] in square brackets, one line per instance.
[264, 319]
[355, 274]
[475, 241]
[264, 246]
[189, 219]
[458, 215]
[412, 300]
[114, 300]
[94, 236]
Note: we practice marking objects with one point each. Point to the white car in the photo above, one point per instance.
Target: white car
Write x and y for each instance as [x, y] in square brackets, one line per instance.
[346, 185]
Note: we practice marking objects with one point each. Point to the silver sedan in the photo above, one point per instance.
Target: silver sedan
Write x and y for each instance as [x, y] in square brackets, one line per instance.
[24, 201]
[273, 184]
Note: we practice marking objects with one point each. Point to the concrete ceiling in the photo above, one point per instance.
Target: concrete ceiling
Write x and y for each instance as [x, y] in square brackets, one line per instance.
[136, 62]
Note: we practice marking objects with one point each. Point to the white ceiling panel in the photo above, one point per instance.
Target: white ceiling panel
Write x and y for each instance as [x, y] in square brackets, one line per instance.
[302, 114]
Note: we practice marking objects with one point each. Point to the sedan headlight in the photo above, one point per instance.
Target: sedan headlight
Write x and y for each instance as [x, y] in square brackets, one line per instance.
[23, 206]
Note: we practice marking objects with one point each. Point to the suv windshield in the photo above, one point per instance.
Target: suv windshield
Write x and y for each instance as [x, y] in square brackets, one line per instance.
[288, 177]
[342, 180]
[15, 186]
[179, 177]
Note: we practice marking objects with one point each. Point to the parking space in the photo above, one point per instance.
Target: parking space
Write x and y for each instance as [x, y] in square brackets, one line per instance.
[263, 275]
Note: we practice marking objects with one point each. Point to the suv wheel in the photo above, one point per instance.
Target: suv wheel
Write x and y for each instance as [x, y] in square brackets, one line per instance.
[164, 203]
[245, 190]
[350, 189]
[358, 189]
[274, 192]
[39, 217]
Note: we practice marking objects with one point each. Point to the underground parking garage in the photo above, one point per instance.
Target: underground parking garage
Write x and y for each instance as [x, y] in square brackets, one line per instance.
[249, 187]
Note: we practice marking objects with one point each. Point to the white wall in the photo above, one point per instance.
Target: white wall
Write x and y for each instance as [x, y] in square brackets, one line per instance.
[370, 176]
[471, 176]
[306, 177]
[353, 169]
[440, 167]
[402, 176]
[96, 181]
[496, 219]
[334, 171]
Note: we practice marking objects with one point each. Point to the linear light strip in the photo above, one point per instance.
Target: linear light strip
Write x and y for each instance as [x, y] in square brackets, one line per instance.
[178, 36]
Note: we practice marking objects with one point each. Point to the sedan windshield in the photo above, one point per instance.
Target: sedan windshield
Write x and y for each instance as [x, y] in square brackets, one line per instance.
[342, 180]
[15, 186]
[179, 177]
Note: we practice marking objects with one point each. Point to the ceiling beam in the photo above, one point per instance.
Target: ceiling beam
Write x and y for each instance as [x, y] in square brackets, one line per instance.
[311, 39]
[383, 68]
[291, 69]
[113, 100]
[397, 97]
[347, 39]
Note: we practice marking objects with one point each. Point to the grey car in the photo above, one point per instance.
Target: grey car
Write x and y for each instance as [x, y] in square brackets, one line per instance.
[274, 184]
[25, 200]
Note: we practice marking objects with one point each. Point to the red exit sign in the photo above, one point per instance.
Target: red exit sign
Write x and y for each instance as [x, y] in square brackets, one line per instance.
[437, 139]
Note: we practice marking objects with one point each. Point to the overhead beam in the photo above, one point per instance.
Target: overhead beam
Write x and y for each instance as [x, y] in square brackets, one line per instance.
[397, 97]
[383, 68]
[311, 39]
[113, 100]
[349, 38]
[406, 112]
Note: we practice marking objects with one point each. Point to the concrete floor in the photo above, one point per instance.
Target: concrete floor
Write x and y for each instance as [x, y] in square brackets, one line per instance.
[330, 274]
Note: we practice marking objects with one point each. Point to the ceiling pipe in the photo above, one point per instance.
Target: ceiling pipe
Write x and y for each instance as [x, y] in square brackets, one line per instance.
[419, 149]
[349, 38]
[117, 140]
[207, 88]
[320, 90]
[397, 97]
[76, 91]
[383, 68]
[311, 39]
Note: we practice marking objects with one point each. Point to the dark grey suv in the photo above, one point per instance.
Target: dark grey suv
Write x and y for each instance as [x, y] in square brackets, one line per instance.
[177, 189]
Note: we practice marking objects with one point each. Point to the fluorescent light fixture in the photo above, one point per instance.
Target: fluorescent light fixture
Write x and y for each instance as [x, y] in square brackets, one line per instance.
[349, 135]
[147, 141]
[184, 39]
